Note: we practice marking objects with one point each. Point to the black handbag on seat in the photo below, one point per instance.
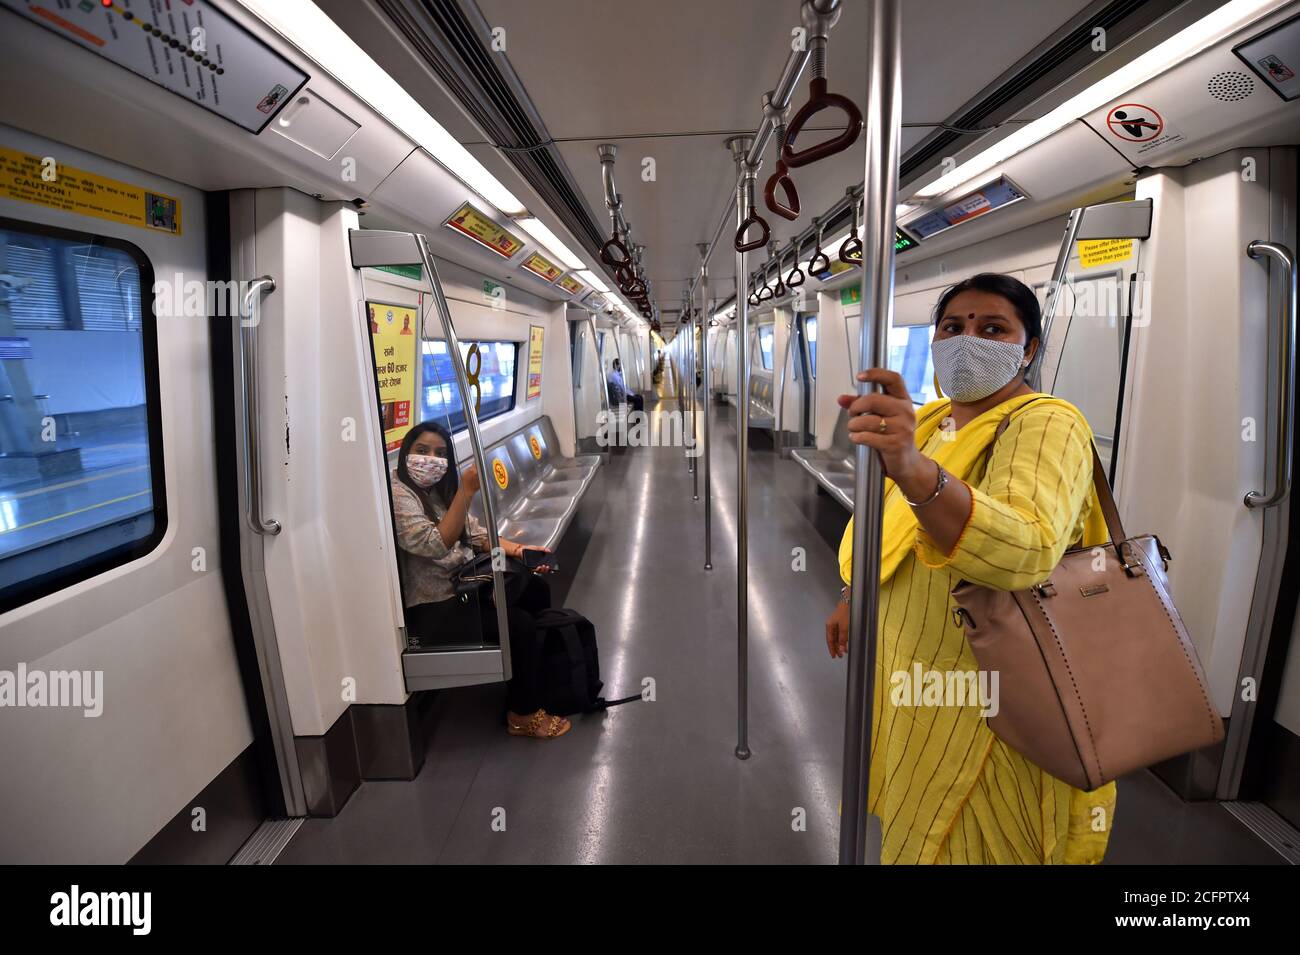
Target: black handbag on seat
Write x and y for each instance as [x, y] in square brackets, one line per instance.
[475, 577]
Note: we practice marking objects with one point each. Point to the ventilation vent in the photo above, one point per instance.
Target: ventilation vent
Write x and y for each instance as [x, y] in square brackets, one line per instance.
[1230, 86]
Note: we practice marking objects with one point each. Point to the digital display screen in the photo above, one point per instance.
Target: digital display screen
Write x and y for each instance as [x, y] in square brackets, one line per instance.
[903, 241]
[995, 195]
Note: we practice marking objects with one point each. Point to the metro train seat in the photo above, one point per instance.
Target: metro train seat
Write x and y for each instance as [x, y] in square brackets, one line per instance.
[834, 467]
[543, 489]
[761, 413]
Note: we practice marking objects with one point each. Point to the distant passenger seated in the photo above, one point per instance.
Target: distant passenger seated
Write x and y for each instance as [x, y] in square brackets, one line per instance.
[618, 393]
[431, 501]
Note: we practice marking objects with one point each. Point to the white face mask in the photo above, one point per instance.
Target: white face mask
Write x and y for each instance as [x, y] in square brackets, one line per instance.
[970, 368]
[425, 469]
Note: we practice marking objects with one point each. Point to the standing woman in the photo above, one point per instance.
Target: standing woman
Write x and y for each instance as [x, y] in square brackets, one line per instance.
[946, 789]
[436, 536]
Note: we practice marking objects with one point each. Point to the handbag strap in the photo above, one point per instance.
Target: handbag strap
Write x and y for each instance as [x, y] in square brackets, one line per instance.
[1109, 512]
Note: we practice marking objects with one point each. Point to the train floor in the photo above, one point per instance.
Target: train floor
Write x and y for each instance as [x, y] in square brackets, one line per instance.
[658, 782]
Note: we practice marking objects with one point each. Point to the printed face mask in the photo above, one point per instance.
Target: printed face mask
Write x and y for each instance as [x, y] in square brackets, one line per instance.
[425, 469]
[970, 368]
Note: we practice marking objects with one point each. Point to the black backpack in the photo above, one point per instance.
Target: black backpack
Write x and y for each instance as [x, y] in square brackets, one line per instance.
[570, 670]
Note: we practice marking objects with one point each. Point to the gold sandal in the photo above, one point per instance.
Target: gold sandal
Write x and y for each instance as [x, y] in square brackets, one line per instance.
[531, 728]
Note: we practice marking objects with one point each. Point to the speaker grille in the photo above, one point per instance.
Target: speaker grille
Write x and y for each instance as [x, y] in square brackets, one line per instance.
[1230, 86]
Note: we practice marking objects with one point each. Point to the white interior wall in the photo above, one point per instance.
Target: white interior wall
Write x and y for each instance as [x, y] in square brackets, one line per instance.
[1184, 465]
[95, 790]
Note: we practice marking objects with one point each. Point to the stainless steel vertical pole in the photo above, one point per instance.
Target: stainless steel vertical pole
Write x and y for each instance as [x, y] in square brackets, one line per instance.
[476, 445]
[1034, 376]
[745, 190]
[883, 118]
[688, 364]
[695, 402]
[708, 398]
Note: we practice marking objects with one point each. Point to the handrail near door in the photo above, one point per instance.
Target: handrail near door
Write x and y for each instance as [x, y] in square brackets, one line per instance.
[1285, 391]
[373, 247]
[252, 410]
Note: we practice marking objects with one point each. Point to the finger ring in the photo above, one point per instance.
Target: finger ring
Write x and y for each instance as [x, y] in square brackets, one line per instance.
[883, 426]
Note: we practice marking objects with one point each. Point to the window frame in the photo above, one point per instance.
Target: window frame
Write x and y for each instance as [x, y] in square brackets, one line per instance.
[34, 588]
[766, 357]
[514, 390]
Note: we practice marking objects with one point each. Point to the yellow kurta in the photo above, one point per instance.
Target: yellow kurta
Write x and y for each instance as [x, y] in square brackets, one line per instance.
[945, 788]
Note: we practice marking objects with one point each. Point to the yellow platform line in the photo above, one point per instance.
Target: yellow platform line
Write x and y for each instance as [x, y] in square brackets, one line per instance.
[80, 510]
[67, 484]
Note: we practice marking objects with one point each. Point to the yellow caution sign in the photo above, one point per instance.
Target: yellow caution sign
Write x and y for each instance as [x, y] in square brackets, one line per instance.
[1095, 252]
[500, 473]
[44, 181]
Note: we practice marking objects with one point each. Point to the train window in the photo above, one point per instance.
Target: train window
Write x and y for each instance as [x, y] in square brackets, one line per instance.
[81, 479]
[765, 335]
[810, 330]
[493, 370]
[909, 355]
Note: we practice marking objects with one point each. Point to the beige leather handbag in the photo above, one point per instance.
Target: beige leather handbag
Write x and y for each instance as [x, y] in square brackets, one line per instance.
[1097, 677]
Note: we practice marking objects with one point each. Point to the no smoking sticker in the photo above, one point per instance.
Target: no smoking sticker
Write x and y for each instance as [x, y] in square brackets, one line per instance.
[1134, 123]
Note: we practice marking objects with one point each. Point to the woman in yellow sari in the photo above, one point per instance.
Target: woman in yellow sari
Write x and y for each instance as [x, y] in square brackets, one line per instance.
[944, 787]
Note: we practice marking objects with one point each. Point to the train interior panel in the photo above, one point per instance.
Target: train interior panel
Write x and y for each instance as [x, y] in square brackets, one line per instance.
[606, 417]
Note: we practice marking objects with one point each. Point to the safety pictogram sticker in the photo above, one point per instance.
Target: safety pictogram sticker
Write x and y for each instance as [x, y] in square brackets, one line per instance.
[500, 473]
[1134, 123]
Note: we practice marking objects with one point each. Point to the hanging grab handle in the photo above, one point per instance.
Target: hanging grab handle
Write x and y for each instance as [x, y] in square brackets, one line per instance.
[615, 244]
[796, 271]
[813, 267]
[790, 208]
[851, 248]
[781, 177]
[753, 219]
[819, 99]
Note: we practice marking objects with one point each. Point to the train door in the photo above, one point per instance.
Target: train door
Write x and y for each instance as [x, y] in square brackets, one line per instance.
[1145, 291]
[115, 573]
[590, 397]
[1269, 786]
[808, 348]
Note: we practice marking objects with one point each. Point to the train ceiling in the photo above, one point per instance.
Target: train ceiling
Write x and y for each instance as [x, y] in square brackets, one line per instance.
[669, 80]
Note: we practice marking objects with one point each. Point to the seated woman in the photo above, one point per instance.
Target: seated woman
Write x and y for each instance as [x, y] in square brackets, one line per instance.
[436, 535]
[946, 789]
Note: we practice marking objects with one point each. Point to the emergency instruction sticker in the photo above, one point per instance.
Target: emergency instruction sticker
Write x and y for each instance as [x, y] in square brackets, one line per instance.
[45, 182]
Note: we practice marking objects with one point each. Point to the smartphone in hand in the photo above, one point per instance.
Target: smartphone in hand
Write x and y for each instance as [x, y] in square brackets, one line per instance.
[532, 559]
